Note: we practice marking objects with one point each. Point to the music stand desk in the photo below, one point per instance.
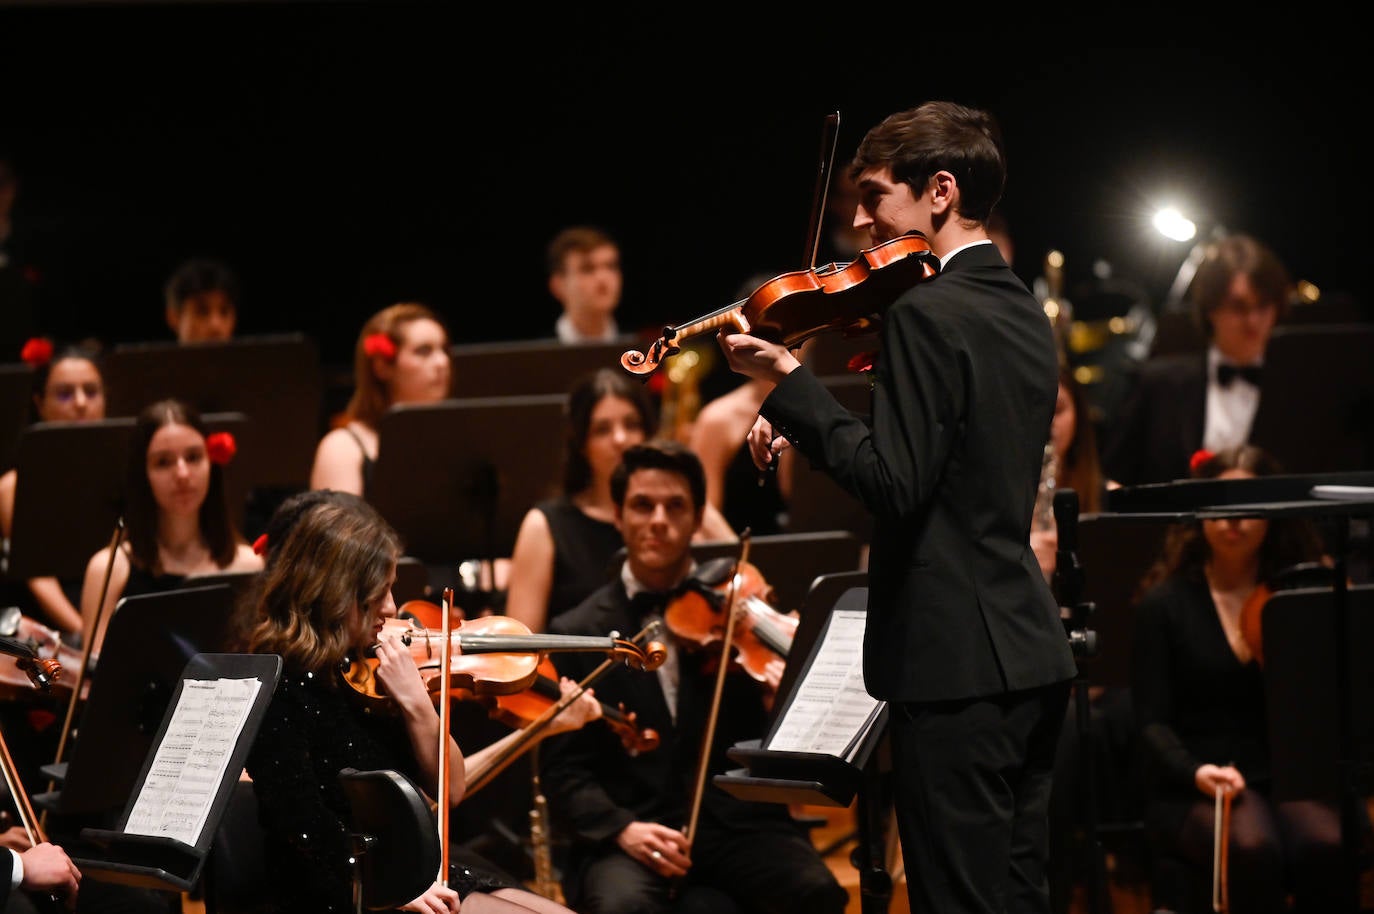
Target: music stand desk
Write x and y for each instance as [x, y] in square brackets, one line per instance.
[274, 380]
[456, 478]
[529, 367]
[71, 487]
[164, 863]
[16, 391]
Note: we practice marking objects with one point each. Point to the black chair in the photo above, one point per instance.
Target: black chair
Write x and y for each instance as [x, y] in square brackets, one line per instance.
[396, 838]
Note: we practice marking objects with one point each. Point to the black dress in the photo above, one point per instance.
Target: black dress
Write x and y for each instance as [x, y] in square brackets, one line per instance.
[582, 551]
[313, 729]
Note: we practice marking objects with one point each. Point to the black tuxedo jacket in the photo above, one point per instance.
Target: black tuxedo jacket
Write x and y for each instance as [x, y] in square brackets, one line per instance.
[965, 386]
[596, 787]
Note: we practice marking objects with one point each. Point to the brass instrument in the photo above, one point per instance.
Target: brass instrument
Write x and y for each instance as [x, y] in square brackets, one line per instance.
[541, 840]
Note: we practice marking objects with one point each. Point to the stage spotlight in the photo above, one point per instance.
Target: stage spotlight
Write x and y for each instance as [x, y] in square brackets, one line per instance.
[1172, 224]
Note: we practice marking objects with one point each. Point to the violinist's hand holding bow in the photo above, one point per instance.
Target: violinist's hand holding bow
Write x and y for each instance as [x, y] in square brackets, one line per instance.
[1212, 778]
[437, 899]
[658, 847]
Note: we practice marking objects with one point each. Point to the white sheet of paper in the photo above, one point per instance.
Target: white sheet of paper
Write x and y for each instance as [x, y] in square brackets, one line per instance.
[831, 706]
[191, 760]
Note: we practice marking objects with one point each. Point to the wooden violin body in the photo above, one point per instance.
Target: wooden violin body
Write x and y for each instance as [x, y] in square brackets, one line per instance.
[796, 306]
[761, 632]
[491, 655]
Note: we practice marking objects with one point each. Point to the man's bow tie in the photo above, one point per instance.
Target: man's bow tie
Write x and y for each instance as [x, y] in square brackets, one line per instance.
[1228, 373]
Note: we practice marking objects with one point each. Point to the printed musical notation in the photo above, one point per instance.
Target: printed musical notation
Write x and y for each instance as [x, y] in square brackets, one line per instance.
[179, 790]
[831, 709]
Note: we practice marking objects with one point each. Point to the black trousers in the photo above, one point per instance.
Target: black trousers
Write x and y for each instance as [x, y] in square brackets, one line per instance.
[773, 869]
[971, 789]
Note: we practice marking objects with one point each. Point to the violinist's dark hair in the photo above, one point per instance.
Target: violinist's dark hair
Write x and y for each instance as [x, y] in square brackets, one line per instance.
[84, 351]
[661, 454]
[585, 395]
[197, 276]
[575, 239]
[1081, 469]
[1228, 258]
[940, 136]
[140, 506]
[1288, 541]
[335, 561]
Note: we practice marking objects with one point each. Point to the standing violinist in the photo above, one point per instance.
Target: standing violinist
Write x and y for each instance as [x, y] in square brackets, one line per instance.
[323, 600]
[963, 637]
[626, 813]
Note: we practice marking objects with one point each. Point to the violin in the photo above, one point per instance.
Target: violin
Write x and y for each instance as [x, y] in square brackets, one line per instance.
[793, 307]
[520, 709]
[761, 632]
[491, 655]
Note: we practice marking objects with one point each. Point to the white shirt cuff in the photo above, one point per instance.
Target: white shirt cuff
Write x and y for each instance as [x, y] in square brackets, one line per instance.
[17, 873]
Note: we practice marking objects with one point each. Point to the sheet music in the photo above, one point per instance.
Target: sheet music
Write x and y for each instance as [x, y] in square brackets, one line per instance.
[831, 709]
[192, 758]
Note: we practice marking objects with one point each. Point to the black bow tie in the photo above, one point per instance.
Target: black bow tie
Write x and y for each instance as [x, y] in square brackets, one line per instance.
[647, 603]
[1228, 373]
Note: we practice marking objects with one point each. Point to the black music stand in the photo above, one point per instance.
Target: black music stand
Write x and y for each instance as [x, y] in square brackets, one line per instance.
[16, 401]
[1319, 421]
[71, 487]
[827, 779]
[150, 640]
[456, 478]
[157, 861]
[817, 502]
[1302, 652]
[527, 367]
[274, 380]
[790, 562]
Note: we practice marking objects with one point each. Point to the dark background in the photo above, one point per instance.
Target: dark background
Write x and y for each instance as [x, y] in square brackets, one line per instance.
[345, 156]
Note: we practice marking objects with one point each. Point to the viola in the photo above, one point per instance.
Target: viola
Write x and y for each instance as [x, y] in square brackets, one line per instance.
[761, 632]
[491, 655]
[520, 709]
[794, 307]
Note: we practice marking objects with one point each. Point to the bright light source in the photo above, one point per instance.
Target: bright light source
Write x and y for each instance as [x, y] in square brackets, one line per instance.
[1170, 223]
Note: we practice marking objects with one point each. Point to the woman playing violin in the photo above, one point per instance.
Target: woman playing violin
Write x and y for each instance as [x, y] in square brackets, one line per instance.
[1199, 700]
[323, 601]
[628, 813]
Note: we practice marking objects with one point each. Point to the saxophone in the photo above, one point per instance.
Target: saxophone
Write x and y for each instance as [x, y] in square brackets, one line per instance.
[540, 844]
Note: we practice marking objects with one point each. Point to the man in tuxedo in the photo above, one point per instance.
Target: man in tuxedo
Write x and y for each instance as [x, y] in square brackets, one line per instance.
[963, 638]
[1181, 403]
[627, 811]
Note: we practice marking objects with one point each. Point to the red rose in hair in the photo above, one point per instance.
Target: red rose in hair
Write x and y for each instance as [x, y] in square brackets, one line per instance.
[221, 447]
[260, 545]
[863, 361]
[1199, 459]
[37, 351]
[379, 346]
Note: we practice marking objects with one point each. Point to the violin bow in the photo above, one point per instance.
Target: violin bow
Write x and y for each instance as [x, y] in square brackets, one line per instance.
[87, 646]
[708, 737]
[445, 757]
[499, 762]
[830, 136]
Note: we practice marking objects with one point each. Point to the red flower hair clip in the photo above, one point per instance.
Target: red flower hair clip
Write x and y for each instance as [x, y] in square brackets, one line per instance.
[37, 351]
[221, 447]
[379, 346]
[863, 363]
[1200, 458]
[260, 545]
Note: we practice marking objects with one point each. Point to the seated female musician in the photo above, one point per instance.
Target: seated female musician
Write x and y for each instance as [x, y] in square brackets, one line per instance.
[323, 601]
[565, 543]
[1199, 699]
[176, 514]
[67, 387]
[402, 356]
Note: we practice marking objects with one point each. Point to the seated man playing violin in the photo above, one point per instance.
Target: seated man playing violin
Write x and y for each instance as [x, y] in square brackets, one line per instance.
[649, 832]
